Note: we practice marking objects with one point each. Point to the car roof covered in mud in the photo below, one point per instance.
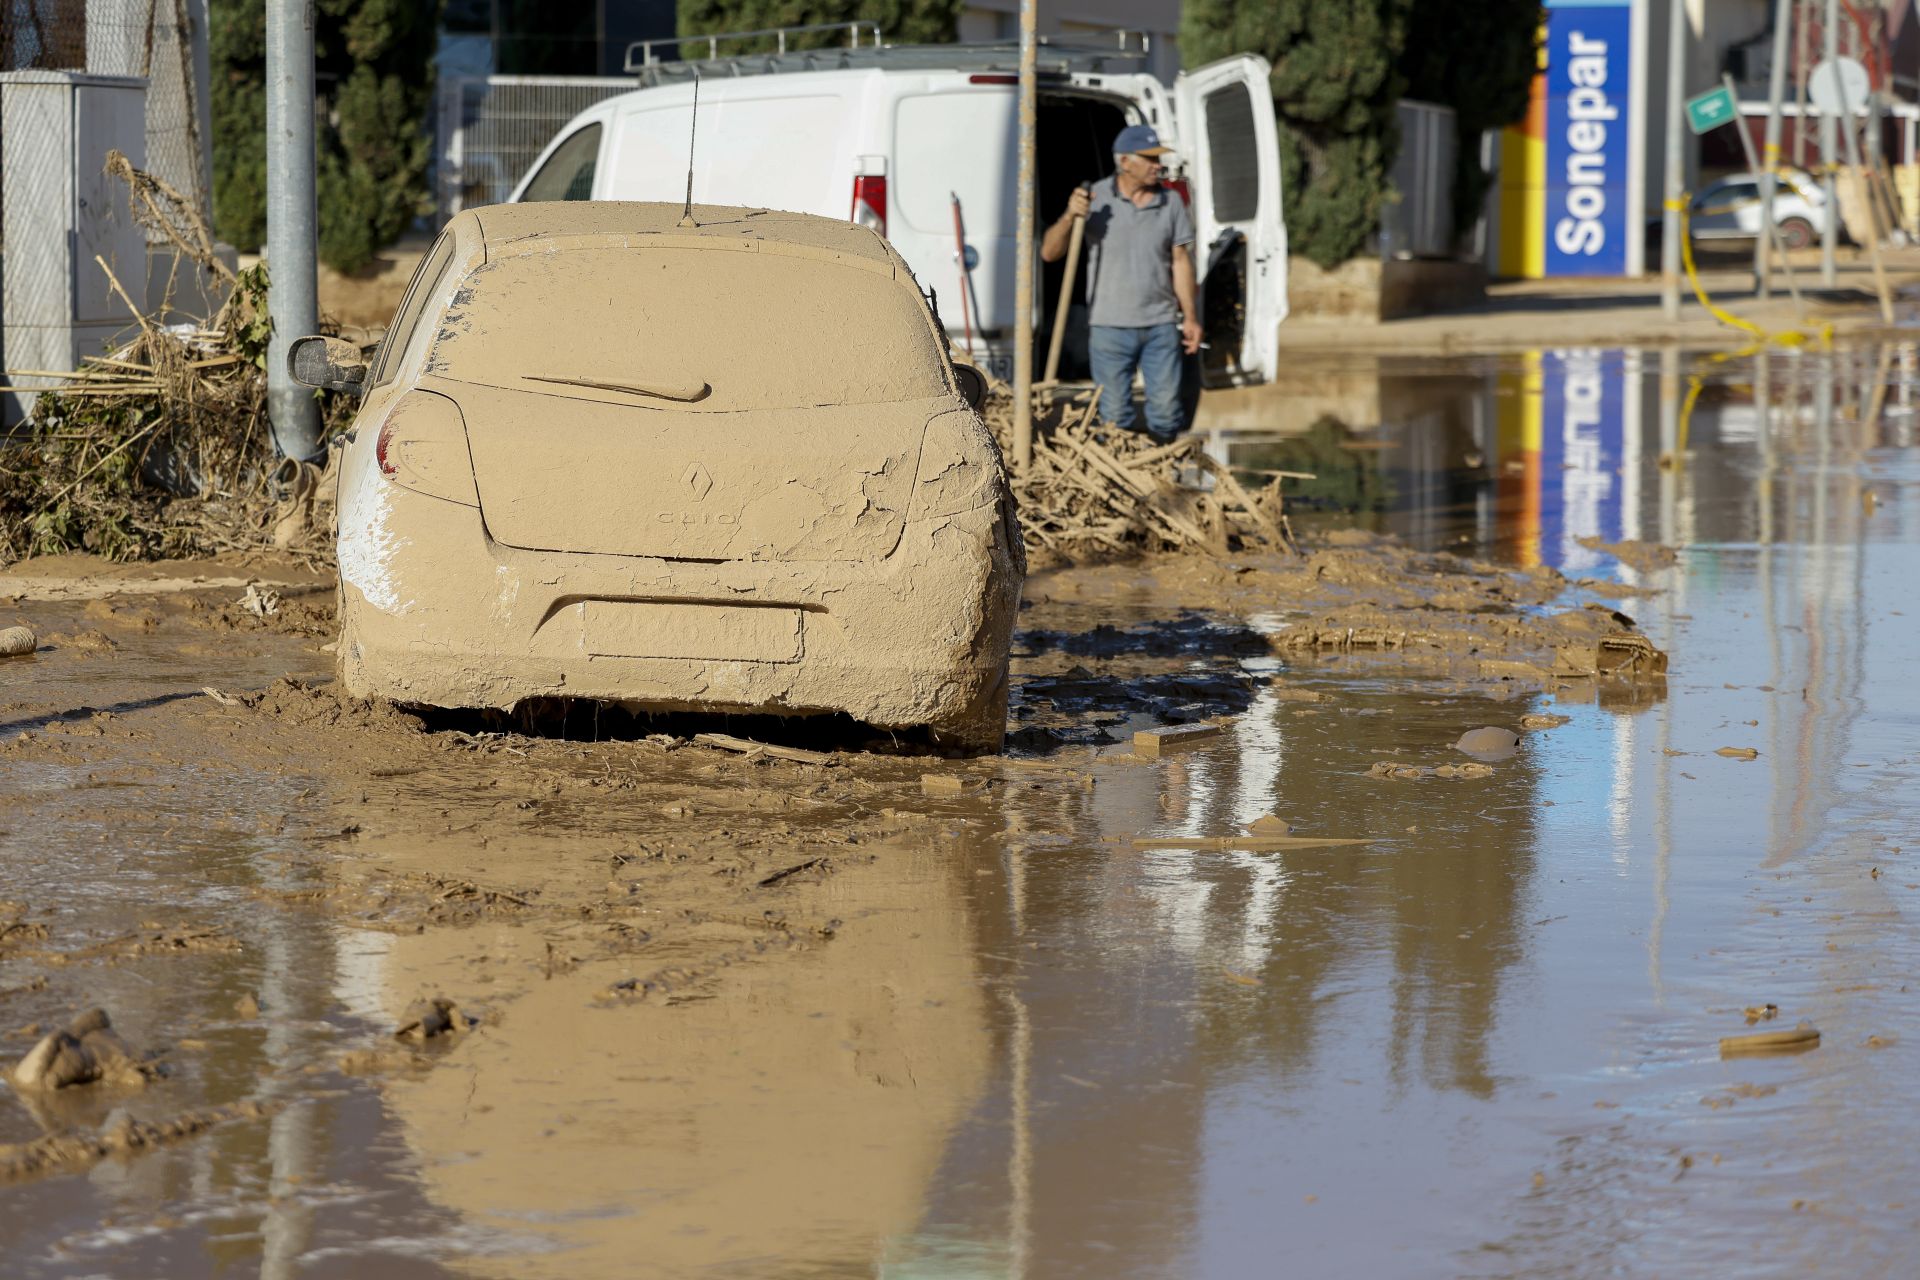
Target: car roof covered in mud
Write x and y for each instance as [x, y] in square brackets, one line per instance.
[513, 229]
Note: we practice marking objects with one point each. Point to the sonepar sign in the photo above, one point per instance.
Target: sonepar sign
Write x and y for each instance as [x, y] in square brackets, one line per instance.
[1589, 110]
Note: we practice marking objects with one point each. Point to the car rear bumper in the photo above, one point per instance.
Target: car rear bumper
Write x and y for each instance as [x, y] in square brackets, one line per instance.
[448, 617]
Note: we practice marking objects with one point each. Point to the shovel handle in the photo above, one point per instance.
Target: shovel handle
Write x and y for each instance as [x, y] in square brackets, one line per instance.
[1074, 240]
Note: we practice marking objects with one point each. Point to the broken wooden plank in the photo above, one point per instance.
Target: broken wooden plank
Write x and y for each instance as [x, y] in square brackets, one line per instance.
[1224, 478]
[1152, 742]
[746, 746]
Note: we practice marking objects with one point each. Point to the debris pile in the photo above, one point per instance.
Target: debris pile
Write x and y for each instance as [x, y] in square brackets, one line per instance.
[162, 447]
[1096, 492]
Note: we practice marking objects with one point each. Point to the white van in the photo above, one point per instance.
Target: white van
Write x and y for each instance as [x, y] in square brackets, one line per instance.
[919, 142]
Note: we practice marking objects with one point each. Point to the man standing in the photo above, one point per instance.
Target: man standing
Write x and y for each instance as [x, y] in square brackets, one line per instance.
[1140, 282]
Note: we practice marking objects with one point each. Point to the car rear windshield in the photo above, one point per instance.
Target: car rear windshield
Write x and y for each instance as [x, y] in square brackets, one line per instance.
[689, 329]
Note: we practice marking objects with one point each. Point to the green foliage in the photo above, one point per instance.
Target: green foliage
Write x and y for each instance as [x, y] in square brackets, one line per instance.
[374, 67]
[69, 479]
[901, 21]
[1339, 66]
[1334, 83]
[252, 326]
[541, 38]
[1484, 78]
[237, 43]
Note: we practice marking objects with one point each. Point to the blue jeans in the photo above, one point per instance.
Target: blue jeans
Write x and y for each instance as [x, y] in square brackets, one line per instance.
[1115, 352]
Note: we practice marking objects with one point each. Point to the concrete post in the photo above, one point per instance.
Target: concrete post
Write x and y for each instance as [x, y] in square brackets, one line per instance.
[1676, 182]
[1023, 246]
[1770, 151]
[293, 298]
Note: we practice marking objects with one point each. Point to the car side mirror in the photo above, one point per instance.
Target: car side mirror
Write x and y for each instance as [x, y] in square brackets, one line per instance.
[331, 364]
[973, 385]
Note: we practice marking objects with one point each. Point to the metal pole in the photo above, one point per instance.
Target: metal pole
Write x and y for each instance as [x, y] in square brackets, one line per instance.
[1770, 151]
[1829, 151]
[1023, 246]
[1801, 53]
[293, 295]
[1769, 234]
[1670, 217]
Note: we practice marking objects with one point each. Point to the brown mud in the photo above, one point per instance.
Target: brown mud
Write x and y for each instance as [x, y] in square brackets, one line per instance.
[432, 995]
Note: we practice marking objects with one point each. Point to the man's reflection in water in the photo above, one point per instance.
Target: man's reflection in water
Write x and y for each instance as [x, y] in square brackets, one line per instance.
[1153, 979]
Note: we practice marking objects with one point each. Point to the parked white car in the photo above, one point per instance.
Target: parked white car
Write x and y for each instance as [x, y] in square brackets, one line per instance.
[1729, 209]
[915, 141]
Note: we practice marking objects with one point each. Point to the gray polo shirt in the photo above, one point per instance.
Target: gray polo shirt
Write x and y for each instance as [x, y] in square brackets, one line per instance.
[1130, 256]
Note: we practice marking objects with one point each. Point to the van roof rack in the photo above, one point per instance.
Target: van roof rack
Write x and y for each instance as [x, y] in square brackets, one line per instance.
[864, 50]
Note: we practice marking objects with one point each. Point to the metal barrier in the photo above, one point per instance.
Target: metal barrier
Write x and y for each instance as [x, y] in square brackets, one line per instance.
[489, 129]
[1419, 223]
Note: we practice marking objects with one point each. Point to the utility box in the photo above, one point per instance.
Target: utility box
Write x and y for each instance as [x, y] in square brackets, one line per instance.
[59, 212]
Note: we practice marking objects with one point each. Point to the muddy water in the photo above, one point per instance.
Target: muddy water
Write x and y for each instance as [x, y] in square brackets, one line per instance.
[752, 1017]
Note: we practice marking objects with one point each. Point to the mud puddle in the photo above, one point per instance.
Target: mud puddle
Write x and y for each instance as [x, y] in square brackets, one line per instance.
[731, 1012]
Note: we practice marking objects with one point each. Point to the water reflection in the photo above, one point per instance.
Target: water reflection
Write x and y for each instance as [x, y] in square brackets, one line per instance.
[1152, 982]
[1408, 1061]
[296, 1193]
[1527, 455]
[791, 1110]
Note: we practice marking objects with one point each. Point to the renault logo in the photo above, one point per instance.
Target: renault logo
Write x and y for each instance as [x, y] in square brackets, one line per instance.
[697, 480]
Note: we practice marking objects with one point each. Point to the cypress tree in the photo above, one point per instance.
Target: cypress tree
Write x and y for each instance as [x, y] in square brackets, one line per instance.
[1335, 81]
[1339, 66]
[901, 21]
[237, 45]
[373, 63]
[1478, 57]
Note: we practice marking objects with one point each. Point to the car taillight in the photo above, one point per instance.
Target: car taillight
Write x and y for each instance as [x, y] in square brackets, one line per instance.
[960, 468]
[422, 446]
[870, 202]
[1180, 185]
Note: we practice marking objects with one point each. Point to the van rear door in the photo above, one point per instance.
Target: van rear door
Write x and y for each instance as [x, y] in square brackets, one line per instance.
[1229, 140]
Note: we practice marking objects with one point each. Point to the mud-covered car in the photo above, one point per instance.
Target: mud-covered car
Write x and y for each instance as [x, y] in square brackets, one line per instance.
[722, 467]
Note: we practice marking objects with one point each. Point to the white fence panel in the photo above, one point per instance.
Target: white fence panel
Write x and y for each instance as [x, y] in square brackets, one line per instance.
[488, 129]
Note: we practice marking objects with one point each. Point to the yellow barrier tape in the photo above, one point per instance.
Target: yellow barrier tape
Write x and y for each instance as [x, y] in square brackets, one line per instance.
[1784, 338]
[1696, 378]
[1696, 382]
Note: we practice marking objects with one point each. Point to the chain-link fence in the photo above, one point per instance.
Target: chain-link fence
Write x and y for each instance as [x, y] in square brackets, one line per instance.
[164, 42]
[43, 35]
[488, 130]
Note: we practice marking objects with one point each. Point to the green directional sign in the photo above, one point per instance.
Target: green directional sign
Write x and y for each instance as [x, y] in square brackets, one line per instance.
[1710, 110]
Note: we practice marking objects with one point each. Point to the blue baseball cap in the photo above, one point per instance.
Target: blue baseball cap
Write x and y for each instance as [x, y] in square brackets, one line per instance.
[1139, 140]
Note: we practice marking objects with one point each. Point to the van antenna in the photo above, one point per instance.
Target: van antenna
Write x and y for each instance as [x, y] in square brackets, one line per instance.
[693, 124]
